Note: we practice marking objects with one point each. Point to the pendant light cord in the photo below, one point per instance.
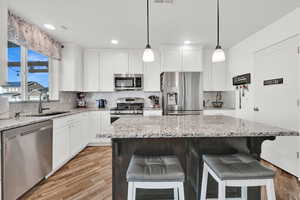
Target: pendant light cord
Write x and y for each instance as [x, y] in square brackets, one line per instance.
[218, 23]
[148, 34]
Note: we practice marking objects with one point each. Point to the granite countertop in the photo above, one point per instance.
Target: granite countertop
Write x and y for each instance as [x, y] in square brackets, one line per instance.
[6, 124]
[193, 126]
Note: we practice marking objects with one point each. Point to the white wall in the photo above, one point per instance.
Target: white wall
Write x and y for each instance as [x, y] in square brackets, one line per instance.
[3, 40]
[241, 56]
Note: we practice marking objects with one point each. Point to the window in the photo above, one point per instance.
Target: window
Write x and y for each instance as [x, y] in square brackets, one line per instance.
[38, 74]
[28, 74]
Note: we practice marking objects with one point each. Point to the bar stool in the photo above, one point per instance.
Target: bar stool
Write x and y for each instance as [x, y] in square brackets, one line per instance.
[237, 170]
[155, 172]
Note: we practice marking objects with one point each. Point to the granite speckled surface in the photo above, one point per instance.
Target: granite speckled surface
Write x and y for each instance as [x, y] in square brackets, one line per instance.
[23, 121]
[193, 126]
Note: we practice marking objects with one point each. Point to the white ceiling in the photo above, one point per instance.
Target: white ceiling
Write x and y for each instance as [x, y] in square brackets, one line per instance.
[93, 23]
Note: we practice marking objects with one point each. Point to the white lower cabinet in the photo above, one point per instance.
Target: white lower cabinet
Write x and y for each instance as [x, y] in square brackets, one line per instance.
[226, 112]
[94, 125]
[75, 137]
[73, 133]
[61, 143]
[154, 112]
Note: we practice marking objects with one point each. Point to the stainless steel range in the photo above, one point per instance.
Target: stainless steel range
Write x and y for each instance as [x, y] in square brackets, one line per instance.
[128, 106]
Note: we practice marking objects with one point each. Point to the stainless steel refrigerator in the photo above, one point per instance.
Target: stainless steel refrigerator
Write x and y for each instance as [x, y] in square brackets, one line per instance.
[182, 93]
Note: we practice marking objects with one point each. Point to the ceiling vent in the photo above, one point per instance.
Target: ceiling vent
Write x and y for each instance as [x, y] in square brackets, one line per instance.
[164, 1]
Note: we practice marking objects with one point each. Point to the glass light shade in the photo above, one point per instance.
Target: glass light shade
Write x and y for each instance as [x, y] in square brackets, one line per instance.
[148, 55]
[219, 55]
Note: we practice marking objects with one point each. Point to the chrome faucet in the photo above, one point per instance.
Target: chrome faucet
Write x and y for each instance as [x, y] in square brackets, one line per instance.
[41, 109]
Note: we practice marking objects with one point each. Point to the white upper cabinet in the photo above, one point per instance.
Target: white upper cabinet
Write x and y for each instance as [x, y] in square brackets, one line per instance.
[119, 61]
[192, 59]
[181, 59]
[91, 69]
[135, 62]
[71, 68]
[107, 64]
[171, 59]
[214, 74]
[152, 72]
[219, 76]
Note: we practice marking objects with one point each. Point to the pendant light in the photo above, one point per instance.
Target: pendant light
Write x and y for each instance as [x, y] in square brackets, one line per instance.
[219, 54]
[148, 55]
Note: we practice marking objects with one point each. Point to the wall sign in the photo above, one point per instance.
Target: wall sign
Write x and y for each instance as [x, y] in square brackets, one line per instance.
[276, 81]
[242, 79]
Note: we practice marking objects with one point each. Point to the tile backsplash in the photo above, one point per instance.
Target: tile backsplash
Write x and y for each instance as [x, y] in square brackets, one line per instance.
[67, 101]
[112, 97]
[228, 98]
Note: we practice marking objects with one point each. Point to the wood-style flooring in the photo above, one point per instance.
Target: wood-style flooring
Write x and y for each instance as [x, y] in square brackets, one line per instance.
[86, 177]
[89, 177]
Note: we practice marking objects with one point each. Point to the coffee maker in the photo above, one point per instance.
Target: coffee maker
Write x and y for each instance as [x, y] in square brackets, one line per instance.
[81, 102]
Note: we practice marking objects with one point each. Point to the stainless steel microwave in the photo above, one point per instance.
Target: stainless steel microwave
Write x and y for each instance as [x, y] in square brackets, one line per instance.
[128, 82]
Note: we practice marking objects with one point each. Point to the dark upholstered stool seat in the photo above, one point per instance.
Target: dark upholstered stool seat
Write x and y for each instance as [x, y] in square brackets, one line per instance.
[237, 167]
[155, 169]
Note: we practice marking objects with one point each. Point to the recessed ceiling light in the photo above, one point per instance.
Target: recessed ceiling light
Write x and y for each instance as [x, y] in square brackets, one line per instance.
[114, 41]
[49, 26]
[187, 42]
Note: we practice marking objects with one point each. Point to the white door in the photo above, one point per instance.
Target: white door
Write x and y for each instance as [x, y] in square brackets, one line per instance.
[91, 70]
[192, 60]
[61, 149]
[171, 59]
[277, 104]
[152, 74]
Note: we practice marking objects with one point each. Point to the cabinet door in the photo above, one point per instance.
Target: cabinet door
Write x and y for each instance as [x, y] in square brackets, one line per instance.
[85, 129]
[60, 146]
[91, 71]
[105, 120]
[112, 62]
[171, 59]
[136, 62]
[94, 125]
[152, 74]
[120, 61]
[192, 60]
[71, 68]
[148, 113]
[219, 74]
[75, 137]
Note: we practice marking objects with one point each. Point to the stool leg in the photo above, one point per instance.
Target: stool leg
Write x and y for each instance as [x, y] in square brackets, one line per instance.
[244, 193]
[176, 193]
[270, 190]
[222, 191]
[181, 191]
[204, 183]
[131, 191]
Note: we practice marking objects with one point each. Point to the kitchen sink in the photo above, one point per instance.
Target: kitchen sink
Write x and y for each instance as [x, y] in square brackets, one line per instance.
[47, 114]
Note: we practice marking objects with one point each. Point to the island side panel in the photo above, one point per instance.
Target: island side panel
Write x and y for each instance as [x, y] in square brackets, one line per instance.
[185, 149]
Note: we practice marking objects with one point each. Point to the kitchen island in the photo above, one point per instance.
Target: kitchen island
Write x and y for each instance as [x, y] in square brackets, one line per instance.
[187, 137]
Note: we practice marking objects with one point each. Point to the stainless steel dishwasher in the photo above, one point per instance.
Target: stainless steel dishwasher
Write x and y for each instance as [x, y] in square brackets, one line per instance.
[27, 158]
